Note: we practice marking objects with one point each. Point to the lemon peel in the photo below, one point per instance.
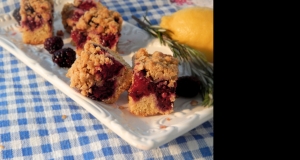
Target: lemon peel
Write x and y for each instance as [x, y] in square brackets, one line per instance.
[192, 26]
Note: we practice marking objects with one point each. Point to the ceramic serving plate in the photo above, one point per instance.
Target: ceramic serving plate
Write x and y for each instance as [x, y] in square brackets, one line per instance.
[141, 132]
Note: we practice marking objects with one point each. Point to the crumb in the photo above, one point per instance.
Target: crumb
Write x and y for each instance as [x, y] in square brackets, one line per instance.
[114, 105]
[73, 43]
[64, 116]
[162, 126]
[60, 33]
[168, 119]
[122, 107]
[194, 103]
[109, 131]
[1, 146]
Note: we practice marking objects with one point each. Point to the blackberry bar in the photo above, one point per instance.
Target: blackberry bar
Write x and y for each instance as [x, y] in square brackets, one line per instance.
[36, 20]
[153, 83]
[100, 73]
[100, 26]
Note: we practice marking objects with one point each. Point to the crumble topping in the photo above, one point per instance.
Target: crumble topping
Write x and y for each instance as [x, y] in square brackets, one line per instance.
[159, 66]
[100, 21]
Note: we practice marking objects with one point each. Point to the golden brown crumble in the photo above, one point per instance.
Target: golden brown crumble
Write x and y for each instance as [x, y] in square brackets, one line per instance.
[100, 21]
[159, 66]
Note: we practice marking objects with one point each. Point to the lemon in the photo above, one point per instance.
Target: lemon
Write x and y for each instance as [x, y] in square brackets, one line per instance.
[192, 26]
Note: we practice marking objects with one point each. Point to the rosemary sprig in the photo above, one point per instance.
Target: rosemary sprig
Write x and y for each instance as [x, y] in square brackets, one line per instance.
[196, 60]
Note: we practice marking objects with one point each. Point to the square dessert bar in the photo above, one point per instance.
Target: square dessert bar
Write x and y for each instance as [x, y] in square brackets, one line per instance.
[71, 12]
[153, 83]
[100, 26]
[100, 73]
[36, 20]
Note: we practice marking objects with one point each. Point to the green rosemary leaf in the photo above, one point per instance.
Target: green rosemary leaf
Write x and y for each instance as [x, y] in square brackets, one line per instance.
[153, 33]
[147, 20]
[161, 30]
[155, 27]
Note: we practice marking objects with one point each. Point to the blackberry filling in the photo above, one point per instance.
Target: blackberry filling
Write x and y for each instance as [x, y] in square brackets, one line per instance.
[102, 92]
[83, 7]
[109, 40]
[107, 74]
[143, 86]
[32, 21]
[163, 95]
[79, 38]
[50, 22]
[86, 5]
[77, 14]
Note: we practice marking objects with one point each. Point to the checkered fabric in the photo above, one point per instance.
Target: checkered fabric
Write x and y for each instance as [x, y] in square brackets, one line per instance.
[32, 125]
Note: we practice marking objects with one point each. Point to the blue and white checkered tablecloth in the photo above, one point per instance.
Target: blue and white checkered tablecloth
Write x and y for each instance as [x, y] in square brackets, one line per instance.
[31, 109]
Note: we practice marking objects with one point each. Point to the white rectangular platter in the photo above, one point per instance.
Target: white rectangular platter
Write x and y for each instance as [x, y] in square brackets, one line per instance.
[141, 132]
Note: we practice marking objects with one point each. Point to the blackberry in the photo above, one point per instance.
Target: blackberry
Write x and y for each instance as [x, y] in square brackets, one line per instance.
[188, 86]
[64, 57]
[53, 44]
[16, 15]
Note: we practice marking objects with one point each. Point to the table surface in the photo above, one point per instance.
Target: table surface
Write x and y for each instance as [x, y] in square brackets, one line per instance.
[31, 109]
